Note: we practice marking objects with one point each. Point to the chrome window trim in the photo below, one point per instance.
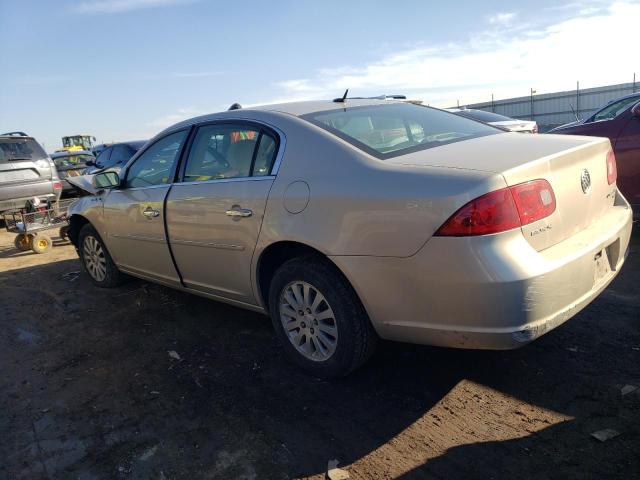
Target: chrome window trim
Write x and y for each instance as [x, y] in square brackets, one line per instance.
[133, 189]
[226, 180]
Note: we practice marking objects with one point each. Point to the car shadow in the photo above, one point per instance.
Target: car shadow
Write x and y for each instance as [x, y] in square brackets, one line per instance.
[143, 380]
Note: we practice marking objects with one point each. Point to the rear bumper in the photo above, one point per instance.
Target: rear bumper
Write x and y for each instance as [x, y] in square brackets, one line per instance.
[18, 203]
[489, 292]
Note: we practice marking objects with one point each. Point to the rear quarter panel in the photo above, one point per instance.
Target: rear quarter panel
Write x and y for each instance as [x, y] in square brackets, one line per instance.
[359, 205]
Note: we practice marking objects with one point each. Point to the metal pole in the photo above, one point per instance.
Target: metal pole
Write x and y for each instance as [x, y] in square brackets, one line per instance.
[578, 99]
[458, 103]
[634, 82]
[531, 106]
[493, 105]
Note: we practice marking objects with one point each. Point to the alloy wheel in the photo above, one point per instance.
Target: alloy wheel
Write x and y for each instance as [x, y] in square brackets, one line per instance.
[308, 321]
[94, 258]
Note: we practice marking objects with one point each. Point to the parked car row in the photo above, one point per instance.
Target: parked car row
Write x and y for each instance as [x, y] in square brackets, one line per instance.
[357, 219]
[28, 173]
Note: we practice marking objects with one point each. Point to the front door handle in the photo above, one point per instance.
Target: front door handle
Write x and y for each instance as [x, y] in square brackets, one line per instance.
[239, 212]
[151, 213]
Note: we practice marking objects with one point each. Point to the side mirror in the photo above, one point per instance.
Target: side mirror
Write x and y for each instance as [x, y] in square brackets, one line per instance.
[105, 180]
[635, 110]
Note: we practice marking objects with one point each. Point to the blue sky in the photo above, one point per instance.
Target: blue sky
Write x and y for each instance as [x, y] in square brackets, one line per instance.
[124, 69]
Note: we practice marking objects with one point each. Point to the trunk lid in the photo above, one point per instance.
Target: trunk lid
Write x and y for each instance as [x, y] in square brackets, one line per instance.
[559, 159]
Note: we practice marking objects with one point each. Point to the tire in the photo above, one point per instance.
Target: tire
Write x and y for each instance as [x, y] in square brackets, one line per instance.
[339, 316]
[64, 233]
[96, 260]
[41, 243]
[22, 242]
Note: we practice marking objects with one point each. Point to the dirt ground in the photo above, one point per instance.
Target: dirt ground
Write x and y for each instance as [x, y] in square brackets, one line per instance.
[146, 382]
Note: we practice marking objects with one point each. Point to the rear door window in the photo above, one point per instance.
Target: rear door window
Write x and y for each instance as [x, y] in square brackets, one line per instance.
[227, 150]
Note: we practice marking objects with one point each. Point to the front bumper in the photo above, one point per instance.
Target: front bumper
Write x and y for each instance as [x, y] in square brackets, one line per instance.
[488, 292]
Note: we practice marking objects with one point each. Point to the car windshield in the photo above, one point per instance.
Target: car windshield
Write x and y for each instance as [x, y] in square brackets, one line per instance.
[386, 131]
[483, 116]
[72, 160]
[614, 109]
[16, 149]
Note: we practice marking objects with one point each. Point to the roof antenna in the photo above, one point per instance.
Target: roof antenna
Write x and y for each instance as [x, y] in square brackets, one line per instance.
[344, 97]
[235, 106]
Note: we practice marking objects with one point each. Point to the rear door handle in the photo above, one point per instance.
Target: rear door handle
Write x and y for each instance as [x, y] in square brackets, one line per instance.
[151, 213]
[239, 212]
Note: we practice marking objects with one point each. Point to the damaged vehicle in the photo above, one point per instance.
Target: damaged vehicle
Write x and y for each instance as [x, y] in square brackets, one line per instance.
[352, 220]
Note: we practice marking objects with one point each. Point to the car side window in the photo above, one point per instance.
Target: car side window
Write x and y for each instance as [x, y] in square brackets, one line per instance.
[120, 155]
[221, 151]
[102, 160]
[266, 154]
[155, 165]
[613, 110]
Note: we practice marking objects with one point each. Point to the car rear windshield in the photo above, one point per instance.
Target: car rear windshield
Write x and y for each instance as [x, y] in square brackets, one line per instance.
[483, 116]
[386, 131]
[71, 160]
[17, 149]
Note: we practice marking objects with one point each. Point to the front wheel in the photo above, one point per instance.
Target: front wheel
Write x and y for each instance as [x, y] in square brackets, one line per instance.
[319, 319]
[96, 259]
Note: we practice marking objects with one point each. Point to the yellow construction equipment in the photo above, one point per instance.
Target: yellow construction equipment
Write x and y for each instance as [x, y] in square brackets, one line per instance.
[74, 143]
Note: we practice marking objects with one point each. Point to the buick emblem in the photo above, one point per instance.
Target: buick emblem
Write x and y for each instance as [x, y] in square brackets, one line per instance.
[585, 181]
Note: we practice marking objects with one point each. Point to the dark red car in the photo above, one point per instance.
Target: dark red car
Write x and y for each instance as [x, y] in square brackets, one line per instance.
[619, 120]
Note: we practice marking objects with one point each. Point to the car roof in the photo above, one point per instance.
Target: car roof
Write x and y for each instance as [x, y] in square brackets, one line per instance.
[291, 108]
[303, 108]
[71, 154]
[16, 137]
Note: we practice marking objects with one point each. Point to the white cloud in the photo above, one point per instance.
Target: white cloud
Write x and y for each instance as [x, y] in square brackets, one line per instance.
[504, 62]
[116, 6]
[502, 18]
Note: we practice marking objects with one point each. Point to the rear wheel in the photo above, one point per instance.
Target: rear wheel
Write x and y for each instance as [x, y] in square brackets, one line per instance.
[64, 232]
[22, 242]
[96, 259]
[319, 319]
[41, 243]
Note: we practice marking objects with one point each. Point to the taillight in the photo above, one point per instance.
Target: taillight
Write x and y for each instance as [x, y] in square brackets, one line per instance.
[57, 186]
[502, 210]
[535, 128]
[612, 168]
[491, 213]
[534, 200]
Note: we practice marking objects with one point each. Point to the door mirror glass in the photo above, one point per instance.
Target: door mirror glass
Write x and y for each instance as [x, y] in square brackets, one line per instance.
[106, 180]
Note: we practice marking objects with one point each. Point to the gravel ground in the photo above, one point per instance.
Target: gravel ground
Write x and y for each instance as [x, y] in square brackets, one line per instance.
[146, 382]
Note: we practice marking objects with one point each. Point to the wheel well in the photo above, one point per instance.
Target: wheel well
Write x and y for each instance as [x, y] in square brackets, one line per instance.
[76, 222]
[274, 256]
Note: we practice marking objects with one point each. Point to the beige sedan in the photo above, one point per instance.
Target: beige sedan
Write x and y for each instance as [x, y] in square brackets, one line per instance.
[351, 220]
